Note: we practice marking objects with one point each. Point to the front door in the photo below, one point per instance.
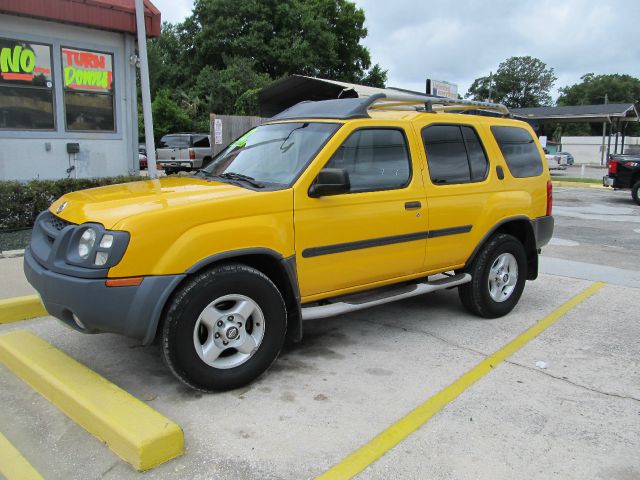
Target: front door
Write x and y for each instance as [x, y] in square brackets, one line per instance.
[373, 233]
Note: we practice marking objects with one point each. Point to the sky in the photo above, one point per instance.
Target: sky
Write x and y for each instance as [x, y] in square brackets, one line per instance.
[460, 40]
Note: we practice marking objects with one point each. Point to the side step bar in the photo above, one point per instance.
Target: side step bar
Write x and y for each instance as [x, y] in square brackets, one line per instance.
[345, 306]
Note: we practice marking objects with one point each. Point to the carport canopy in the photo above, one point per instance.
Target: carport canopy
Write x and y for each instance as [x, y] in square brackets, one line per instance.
[607, 113]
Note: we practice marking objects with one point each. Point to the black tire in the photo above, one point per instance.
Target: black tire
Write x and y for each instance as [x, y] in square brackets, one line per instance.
[475, 295]
[635, 192]
[190, 301]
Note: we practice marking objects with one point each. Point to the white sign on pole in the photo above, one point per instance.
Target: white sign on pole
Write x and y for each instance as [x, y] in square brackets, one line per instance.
[217, 131]
[543, 141]
[440, 88]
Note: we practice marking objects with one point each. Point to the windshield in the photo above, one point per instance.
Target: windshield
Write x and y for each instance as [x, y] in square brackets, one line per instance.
[272, 154]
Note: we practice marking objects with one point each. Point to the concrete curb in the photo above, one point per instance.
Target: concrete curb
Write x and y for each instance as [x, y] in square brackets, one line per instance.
[12, 253]
[21, 308]
[134, 431]
[560, 183]
[13, 465]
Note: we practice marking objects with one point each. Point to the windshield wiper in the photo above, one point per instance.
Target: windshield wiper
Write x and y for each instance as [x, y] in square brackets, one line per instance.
[241, 177]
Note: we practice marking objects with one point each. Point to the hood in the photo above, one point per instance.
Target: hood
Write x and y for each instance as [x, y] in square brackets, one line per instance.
[113, 203]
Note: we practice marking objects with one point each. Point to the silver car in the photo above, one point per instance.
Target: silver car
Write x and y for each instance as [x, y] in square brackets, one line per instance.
[184, 151]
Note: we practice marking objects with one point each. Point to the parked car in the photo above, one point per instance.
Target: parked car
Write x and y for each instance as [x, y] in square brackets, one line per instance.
[142, 160]
[624, 172]
[330, 207]
[570, 159]
[184, 151]
[555, 161]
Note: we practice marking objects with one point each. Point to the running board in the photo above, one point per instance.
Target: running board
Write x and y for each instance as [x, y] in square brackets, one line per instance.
[345, 306]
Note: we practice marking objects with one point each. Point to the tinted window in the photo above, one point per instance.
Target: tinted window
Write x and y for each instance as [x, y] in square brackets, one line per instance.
[174, 141]
[477, 158]
[376, 159]
[26, 86]
[201, 142]
[519, 150]
[454, 154]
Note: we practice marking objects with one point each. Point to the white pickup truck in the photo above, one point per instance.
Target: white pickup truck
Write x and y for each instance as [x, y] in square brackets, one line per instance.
[184, 151]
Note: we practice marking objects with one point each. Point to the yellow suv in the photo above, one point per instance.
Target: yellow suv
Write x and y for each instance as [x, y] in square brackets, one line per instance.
[329, 207]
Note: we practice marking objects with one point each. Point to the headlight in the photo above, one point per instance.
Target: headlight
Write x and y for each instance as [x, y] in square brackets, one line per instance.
[86, 243]
[92, 246]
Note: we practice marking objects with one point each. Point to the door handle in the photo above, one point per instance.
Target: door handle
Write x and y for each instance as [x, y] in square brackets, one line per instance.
[412, 205]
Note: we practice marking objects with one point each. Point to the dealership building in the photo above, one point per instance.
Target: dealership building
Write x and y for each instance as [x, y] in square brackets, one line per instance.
[68, 99]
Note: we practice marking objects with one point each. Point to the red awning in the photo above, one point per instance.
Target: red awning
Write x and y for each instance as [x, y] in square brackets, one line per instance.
[115, 15]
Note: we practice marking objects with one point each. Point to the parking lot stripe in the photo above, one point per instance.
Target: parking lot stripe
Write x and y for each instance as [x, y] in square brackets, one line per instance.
[13, 465]
[389, 438]
[134, 431]
[21, 308]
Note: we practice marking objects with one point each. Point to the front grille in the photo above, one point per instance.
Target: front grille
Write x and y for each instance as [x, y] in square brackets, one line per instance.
[46, 230]
[55, 223]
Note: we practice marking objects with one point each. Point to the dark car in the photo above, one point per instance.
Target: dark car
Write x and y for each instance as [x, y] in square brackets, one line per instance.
[624, 172]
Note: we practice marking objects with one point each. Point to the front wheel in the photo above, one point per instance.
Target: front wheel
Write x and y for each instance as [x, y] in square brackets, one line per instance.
[635, 192]
[498, 273]
[224, 328]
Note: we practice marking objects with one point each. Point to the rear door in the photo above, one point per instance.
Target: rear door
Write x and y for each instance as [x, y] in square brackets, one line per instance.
[374, 233]
[459, 186]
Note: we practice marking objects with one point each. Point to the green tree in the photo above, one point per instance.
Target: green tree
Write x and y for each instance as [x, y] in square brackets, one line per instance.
[592, 90]
[168, 117]
[308, 37]
[518, 82]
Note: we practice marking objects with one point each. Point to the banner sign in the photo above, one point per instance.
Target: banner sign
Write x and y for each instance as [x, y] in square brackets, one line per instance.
[440, 88]
[87, 71]
[25, 63]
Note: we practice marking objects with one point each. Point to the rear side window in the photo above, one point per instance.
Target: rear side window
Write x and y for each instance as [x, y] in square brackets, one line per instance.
[519, 150]
[174, 141]
[376, 159]
[201, 142]
[454, 154]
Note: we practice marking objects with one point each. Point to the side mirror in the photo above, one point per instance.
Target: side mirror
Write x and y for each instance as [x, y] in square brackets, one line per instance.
[330, 181]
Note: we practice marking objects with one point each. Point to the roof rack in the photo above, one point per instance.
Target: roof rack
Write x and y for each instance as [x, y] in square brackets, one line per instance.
[350, 108]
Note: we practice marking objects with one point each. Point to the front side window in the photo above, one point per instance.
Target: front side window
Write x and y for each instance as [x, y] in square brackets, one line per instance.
[271, 155]
[519, 151]
[88, 90]
[375, 159]
[454, 154]
[26, 86]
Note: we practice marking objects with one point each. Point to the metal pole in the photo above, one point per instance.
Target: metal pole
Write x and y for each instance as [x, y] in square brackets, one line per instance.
[604, 132]
[609, 142]
[490, 85]
[146, 92]
[624, 131]
[615, 148]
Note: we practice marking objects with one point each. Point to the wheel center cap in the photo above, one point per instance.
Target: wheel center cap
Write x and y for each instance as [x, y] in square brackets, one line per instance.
[505, 278]
[232, 333]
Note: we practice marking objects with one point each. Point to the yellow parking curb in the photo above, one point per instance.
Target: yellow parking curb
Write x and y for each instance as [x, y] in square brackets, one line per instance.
[134, 431]
[13, 465]
[21, 308]
[560, 183]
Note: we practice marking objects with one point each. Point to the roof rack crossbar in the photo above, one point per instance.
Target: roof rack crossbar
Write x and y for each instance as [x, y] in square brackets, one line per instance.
[429, 101]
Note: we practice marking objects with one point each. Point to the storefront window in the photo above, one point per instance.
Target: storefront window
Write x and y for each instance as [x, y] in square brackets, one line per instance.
[88, 90]
[26, 86]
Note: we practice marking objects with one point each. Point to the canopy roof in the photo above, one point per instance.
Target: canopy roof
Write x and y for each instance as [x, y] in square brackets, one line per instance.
[114, 15]
[623, 112]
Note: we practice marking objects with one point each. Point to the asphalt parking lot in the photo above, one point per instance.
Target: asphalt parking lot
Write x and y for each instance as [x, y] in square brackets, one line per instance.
[575, 415]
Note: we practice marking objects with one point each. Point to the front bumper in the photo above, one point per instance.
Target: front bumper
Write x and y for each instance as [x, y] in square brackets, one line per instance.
[130, 311]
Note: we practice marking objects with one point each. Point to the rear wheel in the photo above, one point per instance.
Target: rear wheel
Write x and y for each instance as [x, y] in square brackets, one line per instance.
[635, 192]
[498, 273]
[224, 328]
